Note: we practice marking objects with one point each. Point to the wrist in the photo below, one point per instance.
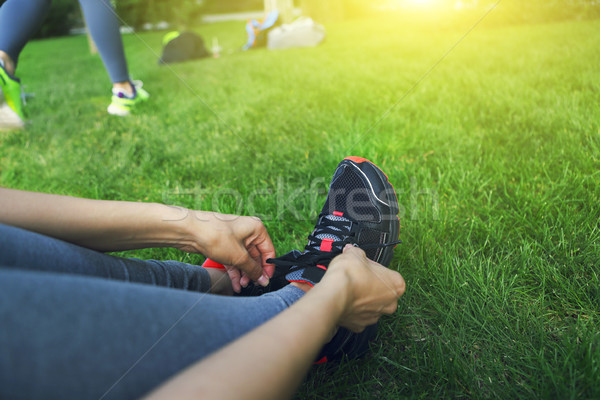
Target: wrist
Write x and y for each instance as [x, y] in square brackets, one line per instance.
[174, 226]
[196, 231]
[336, 284]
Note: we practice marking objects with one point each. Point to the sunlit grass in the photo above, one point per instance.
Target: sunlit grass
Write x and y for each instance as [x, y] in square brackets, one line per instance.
[495, 156]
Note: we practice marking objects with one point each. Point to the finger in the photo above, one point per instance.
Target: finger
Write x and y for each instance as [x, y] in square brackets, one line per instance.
[269, 269]
[266, 249]
[354, 251]
[248, 265]
[245, 280]
[390, 308]
[356, 328]
[394, 280]
[371, 319]
[400, 285]
[234, 276]
[361, 321]
[254, 252]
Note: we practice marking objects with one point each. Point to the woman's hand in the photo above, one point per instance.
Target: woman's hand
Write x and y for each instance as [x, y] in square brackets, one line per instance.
[240, 243]
[372, 289]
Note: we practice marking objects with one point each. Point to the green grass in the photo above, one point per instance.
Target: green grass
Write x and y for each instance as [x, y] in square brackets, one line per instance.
[495, 156]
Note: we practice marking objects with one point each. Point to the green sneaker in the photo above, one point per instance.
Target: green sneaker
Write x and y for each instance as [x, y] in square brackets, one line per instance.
[122, 104]
[11, 108]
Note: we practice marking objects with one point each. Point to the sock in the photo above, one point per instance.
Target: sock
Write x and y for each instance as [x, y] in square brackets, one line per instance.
[122, 93]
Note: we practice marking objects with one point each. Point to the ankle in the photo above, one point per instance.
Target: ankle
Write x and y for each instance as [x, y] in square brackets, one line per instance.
[125, 87]
[7, 63]
[220, 282]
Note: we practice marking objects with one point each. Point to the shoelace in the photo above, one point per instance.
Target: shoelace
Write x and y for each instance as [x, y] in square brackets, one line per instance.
[344, 232]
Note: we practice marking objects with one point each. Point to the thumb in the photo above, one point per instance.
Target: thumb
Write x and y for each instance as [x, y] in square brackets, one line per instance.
[354, 251]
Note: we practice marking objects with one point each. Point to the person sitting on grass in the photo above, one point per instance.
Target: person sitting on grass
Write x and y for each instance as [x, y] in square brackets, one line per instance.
[78, 323]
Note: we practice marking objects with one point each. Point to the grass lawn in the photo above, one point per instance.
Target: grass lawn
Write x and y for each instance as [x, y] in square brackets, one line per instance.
[495, 156]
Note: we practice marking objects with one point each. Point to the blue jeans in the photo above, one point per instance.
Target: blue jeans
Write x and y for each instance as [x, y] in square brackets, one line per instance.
[79, 324]
[21, 19]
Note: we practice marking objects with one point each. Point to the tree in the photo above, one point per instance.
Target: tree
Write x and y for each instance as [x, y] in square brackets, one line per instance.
[179, 13]
[62, 16]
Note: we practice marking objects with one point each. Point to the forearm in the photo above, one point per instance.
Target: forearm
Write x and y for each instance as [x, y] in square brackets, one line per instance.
[270, 361]
[97, 224]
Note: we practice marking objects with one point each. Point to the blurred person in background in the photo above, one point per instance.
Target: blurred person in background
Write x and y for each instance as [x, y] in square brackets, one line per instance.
[20, 19]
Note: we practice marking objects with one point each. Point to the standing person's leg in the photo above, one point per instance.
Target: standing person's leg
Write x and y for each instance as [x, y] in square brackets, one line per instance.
[19, 20]
[23, 249]
[103, 24]
[104, 29]
[67, 336]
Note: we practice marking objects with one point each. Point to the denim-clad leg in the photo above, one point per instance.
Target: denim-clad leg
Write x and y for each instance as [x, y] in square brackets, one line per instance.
[28, 250]
[65, 336]
[103, 24]
[21, 19]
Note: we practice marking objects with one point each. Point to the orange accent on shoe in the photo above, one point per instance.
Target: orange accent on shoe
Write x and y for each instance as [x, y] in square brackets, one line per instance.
[322, 267]
[212, 264]
[321, 361]
[338, 213]
[326, 244]
[360, 159]
[356, 159]
[308, 283]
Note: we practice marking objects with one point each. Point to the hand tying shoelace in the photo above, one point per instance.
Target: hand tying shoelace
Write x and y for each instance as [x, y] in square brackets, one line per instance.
[361, 209]
[331, 234]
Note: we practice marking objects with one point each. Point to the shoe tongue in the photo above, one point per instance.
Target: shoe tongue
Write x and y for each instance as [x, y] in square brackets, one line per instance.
[328, 236]
[308, 272]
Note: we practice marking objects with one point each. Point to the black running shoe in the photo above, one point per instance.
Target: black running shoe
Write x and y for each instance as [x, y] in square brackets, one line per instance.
[361, 209]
